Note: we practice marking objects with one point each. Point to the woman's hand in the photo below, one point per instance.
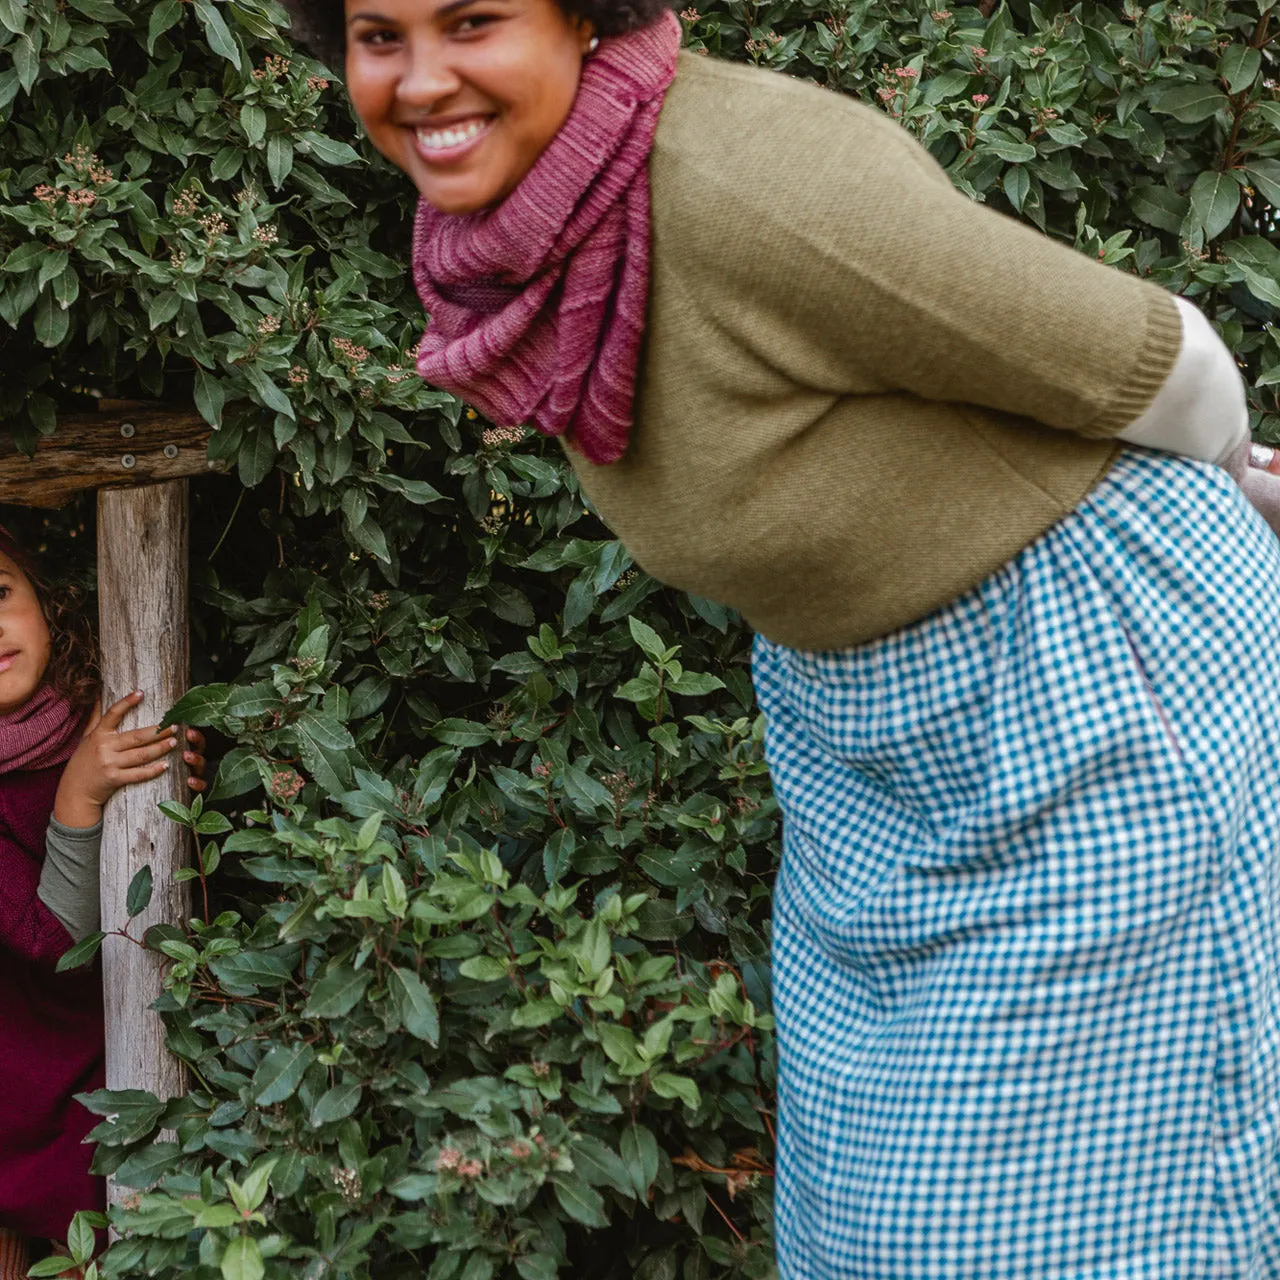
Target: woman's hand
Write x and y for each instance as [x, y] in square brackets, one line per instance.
[109, 758]
[1256, 469]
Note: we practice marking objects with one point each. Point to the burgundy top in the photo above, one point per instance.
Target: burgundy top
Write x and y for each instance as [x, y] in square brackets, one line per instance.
[51, 1034]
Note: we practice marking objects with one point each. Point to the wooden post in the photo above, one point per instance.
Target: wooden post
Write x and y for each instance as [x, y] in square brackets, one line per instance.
[142, 609]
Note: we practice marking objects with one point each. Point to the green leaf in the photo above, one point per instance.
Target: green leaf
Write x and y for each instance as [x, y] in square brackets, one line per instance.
[640, 1155]
[338, 992]
[138, 897]
[601, 1165]
[27, 257]
[257, 457]
[203, 705]
[1239, 67]
[326, 150]
[81, 953]
[1007, 148]
[279, 159]
[1016, 183]
[146, 1166]
[161, 308]
[253, 120]
[417, 1006]
[1265, 175]
[1191, 103]
[56, 1264]
[166, 14]
[336, 1104]
[462, 733]
[1159, 207]
[52, 321]
[209, 397]
[254, 1186]
[668, 1085]
[52, 264]
[222, 42]
[1215, 197]
[647, 638]
[243, 1260]
[536, 1013]
[280, 1073]
[80, 1239]
[557, 854]
[270, 394]
[582, 1203]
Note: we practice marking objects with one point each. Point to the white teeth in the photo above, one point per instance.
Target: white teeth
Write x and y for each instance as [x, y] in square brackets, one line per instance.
[442, 139]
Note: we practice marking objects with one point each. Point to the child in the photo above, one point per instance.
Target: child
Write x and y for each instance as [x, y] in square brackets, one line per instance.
[60, 761]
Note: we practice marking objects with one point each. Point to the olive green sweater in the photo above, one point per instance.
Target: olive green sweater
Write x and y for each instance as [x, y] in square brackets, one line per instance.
[861, 392]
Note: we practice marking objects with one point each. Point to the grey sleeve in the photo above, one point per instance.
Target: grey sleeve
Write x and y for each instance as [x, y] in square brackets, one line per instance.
[69, 880]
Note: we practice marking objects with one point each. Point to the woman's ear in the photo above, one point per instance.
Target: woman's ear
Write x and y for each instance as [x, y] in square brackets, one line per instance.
[587, 36]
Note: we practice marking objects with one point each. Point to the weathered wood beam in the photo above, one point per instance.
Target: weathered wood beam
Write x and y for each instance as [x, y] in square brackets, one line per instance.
[120, 446]
[142, 609]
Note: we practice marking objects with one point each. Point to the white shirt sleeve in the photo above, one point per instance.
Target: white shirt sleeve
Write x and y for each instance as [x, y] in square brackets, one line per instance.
[1201, 410]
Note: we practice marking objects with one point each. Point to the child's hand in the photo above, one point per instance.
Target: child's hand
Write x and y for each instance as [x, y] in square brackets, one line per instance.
[108, 759]
[195, 760]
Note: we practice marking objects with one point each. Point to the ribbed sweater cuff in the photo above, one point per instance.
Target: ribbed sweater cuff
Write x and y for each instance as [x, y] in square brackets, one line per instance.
[1159, 353]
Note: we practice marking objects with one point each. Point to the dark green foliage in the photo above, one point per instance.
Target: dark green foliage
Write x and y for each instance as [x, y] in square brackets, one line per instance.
[477, 983]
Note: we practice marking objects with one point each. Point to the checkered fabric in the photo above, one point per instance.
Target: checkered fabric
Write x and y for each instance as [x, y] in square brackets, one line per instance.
[1027, 923]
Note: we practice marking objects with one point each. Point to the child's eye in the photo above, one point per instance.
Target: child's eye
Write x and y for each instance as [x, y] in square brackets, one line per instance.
[4, 592]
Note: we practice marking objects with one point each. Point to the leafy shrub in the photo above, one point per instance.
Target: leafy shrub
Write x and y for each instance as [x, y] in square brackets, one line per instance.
[477, 984]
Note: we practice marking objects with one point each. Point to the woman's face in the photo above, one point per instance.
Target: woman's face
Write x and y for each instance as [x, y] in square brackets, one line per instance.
[463, 95]
[24, 637]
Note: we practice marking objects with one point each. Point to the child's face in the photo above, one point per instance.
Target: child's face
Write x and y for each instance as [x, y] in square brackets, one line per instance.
[24, 637]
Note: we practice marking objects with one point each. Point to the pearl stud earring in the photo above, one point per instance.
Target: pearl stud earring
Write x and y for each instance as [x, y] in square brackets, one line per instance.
[593, 44]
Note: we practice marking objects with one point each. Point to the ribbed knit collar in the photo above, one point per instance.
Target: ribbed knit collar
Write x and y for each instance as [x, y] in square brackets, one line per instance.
[537, 306]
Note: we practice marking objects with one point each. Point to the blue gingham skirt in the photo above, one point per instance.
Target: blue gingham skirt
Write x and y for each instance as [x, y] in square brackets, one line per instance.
[1027, 922]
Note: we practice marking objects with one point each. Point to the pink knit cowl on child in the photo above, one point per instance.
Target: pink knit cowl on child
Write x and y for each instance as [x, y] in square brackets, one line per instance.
[537, 305]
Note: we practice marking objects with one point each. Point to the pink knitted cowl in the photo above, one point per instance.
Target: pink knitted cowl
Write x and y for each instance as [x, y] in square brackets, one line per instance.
[537, 305]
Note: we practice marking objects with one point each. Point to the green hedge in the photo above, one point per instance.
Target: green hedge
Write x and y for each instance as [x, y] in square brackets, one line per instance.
[481, 988]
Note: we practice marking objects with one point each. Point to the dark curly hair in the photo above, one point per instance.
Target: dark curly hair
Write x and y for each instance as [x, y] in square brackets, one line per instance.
[319, 25]
[73, 648]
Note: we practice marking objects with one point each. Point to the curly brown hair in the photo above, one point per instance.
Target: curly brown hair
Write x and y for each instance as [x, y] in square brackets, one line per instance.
[319, 25]
[73, 668]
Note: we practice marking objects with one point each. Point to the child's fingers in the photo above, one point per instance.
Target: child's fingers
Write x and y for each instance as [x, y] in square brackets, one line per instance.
[197, 783]
[145, 737]
[196, 740]
[117, 711]
[127, 759]
[140, 773]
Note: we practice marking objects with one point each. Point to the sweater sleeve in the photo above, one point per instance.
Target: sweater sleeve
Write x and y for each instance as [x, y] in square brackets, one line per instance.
[1202, 410]
[28, 929]
[69, 880]
[847, 259]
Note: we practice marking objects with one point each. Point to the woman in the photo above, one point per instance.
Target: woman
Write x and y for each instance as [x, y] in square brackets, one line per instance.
[1026, 920]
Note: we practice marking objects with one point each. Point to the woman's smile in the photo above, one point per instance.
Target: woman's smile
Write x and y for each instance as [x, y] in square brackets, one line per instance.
[449, 142]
